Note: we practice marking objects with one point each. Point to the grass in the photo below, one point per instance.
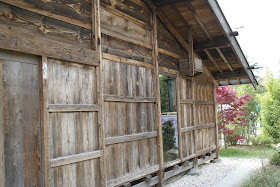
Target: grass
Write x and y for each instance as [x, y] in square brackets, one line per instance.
[248, 152]
[268, 175]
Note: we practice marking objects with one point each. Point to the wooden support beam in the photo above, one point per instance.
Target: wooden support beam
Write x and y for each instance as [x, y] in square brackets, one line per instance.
[195, 120]
[157, 95]
[128, 99]
[216, 122]
[190, 53]
[167, 2]
[212, 44]
[178, 99]
[199, 20]
[212, 60]
[129, 138]
[44, 115]
[204, 151]
[60, 161]
[132, 176]
[204, 102]
[2, 127]
[230, 75]
[96, 32]
[224, 58]
[198, 127]
[74, 108]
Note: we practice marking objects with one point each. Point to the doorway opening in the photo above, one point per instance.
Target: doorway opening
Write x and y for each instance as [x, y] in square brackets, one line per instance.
[169, 118]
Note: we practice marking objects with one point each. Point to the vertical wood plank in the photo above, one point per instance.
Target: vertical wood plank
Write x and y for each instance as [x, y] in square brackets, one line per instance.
[2, 150]
[190, 52]
[179, 119]
[99, 83]
[44, 115]
[216, 122]
[157, 95]
[195, 121]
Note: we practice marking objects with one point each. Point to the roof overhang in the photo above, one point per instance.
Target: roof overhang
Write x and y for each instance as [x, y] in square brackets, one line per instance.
[214, 41]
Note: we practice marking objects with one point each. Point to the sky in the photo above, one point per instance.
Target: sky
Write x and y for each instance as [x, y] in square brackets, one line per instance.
[260, 37]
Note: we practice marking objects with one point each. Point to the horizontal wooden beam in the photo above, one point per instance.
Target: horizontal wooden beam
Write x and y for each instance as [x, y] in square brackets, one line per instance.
[12, 38]
[230, 75]
[207, 158]
[186, 101]
[126, 60]
[129, 138]
[198, 102]
[166, 2]
[74, 108]
[188, 157]
[132, 176]
[187, 129]
[205, 126]
[212, 44]
[60, 161]
[128, 99]
[204, 151]
[198, 127]
[152, 182]
[177, 171]
[204, 102]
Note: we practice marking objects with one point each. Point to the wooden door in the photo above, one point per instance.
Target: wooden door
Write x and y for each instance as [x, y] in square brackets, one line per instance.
[19, 120]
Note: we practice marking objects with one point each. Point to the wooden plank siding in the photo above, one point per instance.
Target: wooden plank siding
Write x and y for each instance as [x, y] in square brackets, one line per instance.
[100, 113]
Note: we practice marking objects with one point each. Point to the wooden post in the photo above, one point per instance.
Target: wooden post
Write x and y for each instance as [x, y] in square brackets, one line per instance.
[44, 115]
[179, 119]
[2, 139]
[190, 52]
[157, 95]
[194, 122]
[216, 122]
[96, 31]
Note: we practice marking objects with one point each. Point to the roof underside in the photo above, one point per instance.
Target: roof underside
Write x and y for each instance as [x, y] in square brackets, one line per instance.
[213, 43]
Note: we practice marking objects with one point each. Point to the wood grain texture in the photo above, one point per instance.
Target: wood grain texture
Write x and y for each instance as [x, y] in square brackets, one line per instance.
[44, 114]
[60, 161]
[129, 138]
[2, 127]
[128, 99]
[20, 105]
[74, 108]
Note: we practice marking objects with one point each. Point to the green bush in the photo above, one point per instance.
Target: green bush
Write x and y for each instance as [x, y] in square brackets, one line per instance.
[262, 139]
[168, 132]
[255, 140]
[275, 159]
[266, 140]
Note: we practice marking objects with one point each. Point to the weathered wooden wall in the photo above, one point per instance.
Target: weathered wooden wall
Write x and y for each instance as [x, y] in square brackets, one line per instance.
[100, 119]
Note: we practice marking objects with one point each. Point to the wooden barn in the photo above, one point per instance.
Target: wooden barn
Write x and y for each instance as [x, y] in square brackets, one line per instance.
[90, 89]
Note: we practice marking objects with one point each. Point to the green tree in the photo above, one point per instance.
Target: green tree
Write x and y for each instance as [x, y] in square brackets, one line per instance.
[163, 93]
[270, 104]
[168, 132]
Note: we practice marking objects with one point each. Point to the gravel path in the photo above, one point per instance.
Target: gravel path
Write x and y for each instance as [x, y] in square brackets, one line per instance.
[229, 172]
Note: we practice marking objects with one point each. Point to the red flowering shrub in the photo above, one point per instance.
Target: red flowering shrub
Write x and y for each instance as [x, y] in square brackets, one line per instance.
[232, 113]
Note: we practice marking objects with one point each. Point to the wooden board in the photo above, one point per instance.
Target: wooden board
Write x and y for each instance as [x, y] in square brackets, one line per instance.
[20, 106]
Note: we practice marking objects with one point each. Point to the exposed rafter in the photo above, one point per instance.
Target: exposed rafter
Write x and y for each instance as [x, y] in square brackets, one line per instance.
[230, 75]
[212, 60]
[166, 2]
[224, 59]
[212, 44]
